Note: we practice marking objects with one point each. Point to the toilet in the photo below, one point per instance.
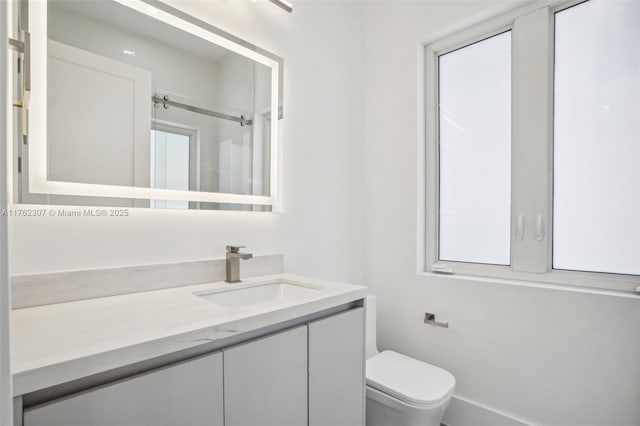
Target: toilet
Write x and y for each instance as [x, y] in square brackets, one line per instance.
[402, 391]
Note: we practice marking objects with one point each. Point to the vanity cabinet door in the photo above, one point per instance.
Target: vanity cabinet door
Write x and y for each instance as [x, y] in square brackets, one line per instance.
[265, 381]
[183, 394]
[336, 370]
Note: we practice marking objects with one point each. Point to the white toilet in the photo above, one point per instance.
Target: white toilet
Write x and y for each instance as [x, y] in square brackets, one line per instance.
[402, 391]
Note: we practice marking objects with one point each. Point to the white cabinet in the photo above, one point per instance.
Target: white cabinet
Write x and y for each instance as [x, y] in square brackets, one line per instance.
[265, 381]
[184, 394]
[309, 375]
[336, 370]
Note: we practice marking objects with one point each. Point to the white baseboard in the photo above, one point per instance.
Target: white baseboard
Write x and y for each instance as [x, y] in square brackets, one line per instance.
[464, 412]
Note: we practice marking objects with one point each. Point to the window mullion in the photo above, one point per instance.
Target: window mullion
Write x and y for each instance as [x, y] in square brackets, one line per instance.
[531, 152]
[431, 158]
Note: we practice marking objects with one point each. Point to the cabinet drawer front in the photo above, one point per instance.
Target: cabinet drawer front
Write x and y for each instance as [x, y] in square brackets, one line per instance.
[336, 370]
[265, 381]
[183, 394]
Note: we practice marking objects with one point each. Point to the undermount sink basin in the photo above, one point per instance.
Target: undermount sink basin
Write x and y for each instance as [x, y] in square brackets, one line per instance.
[271, 292]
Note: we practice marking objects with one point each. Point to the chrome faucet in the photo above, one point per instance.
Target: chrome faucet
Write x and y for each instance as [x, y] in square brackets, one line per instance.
[233, 263]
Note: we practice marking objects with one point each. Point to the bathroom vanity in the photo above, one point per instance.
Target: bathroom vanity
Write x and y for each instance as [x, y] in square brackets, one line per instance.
[289, 347]
[181, 115]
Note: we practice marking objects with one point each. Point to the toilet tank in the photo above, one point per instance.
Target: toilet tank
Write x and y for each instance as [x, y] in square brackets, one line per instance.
[372, 347]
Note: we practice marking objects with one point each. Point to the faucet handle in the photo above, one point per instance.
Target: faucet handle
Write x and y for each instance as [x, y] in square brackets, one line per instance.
[234, 249]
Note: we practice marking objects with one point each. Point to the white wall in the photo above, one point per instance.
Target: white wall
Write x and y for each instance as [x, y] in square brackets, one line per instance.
[547, 357]
[6, 393]
[320, 232]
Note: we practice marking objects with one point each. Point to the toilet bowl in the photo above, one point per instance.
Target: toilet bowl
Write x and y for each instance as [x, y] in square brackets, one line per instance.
[402, 391]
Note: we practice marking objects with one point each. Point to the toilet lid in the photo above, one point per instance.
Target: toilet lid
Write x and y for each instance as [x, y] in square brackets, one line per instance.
[408, 379]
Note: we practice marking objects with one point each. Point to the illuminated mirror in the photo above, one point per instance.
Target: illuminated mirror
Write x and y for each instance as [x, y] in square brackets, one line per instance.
[134, 103]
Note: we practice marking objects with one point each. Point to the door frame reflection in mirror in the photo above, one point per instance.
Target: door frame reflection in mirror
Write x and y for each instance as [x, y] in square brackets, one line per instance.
[37, 123]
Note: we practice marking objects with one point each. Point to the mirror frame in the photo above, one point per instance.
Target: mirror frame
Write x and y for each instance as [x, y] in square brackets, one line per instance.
[37, 121]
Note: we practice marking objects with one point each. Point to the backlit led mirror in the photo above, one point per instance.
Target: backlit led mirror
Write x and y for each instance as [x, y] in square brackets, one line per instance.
[134, 103]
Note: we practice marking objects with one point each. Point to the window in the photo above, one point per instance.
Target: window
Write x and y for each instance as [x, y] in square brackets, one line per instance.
[475, 152]
[173, 161]
[532, 161]
[596, 206]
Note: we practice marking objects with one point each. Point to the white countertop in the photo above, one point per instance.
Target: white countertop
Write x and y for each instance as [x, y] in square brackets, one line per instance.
[58, 343]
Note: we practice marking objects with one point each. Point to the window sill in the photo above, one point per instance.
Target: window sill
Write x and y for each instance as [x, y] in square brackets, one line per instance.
[536, 284]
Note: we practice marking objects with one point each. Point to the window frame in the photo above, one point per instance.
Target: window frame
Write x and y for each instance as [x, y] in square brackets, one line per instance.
[532, 98]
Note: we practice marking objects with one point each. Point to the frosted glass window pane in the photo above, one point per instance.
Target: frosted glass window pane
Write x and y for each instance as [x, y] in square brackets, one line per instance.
[475, 152]
[596, 208]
